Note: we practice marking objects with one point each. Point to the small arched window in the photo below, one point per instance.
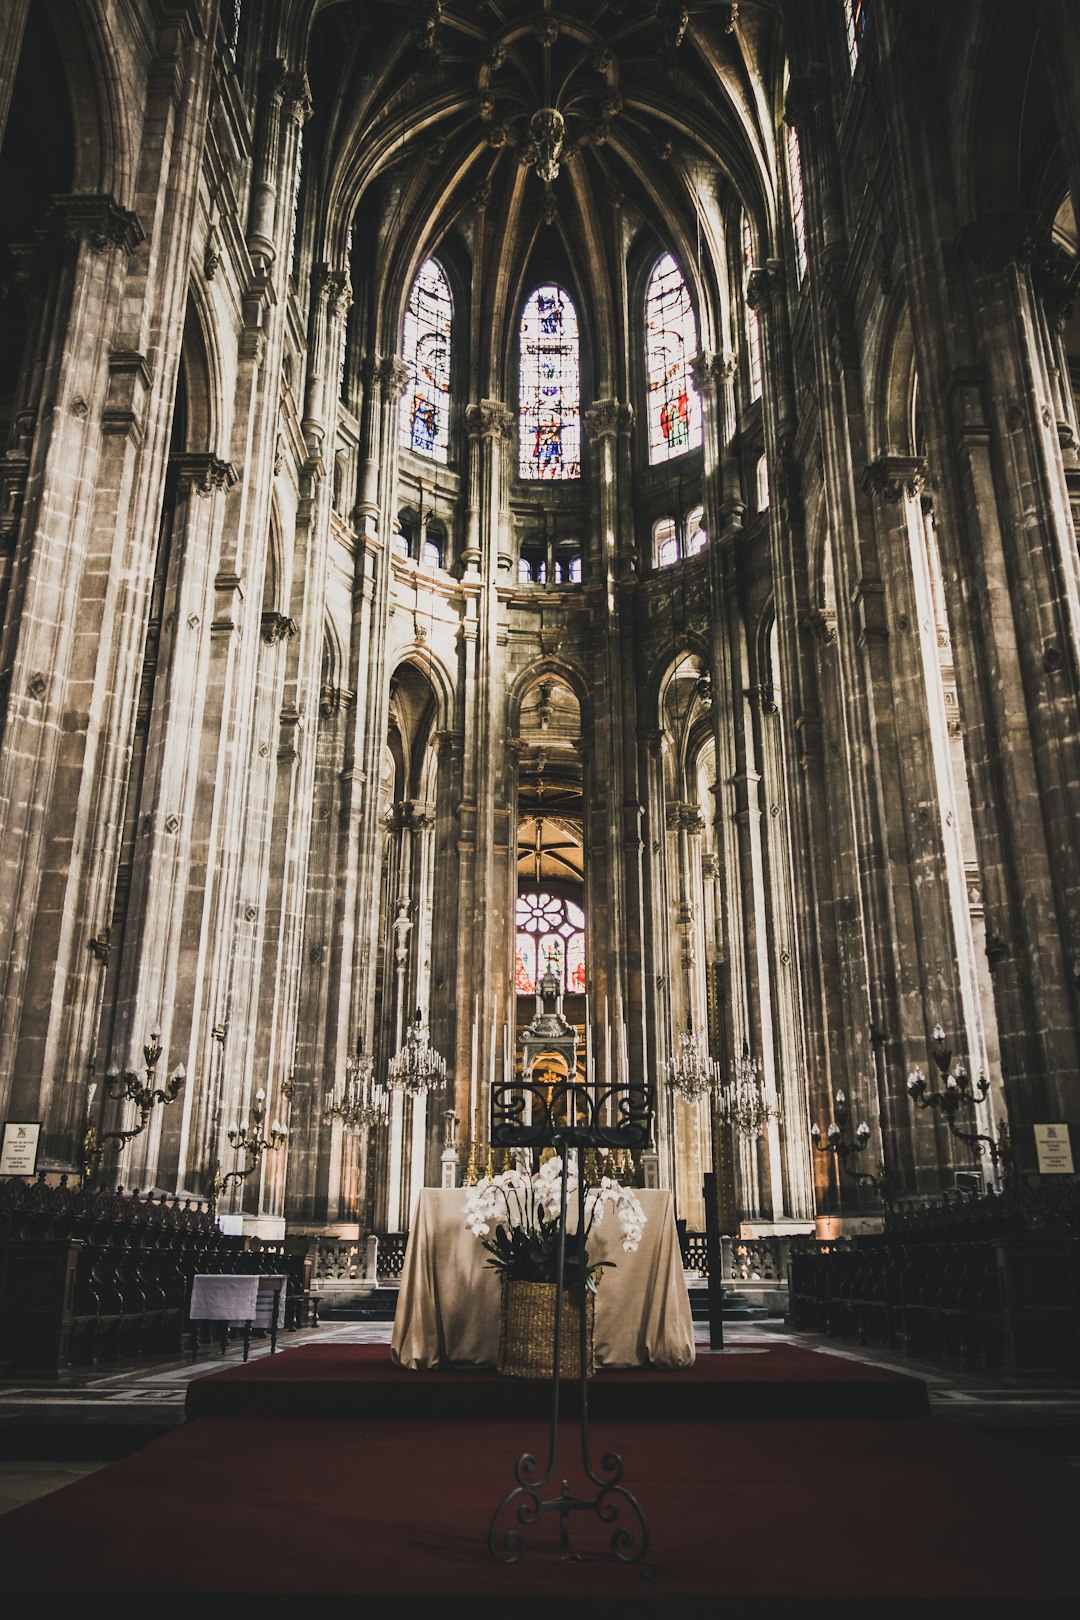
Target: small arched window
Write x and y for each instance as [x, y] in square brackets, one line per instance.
[762, 484]
[425, 346]
[549, 413]
[434, 546]
[670, 345]
[665, 543]
[697, 536]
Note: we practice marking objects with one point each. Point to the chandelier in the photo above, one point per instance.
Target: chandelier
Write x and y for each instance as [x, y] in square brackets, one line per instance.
[690, 1072]
[361, 1101]
[743, 1104]
[417, 1068]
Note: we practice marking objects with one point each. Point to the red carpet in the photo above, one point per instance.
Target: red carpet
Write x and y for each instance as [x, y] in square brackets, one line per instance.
[360, 1381]
[878, 1519]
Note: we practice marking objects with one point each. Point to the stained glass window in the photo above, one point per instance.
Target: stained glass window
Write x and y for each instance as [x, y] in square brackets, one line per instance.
[549, 422]
[753, 329]
[670, 345]
[855, 17]
[550, 933]
[798, 207]
[425, 404]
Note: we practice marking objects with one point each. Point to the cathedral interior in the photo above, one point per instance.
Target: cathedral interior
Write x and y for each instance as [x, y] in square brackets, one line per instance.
[507, 502]
[438, 537]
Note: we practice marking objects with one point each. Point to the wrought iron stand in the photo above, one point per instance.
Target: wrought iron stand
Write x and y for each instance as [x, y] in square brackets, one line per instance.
[627, 1110]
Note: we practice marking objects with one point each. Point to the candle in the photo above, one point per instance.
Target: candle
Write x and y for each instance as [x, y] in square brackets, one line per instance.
[607, 1068]
[590, 1075]
[491, 1062]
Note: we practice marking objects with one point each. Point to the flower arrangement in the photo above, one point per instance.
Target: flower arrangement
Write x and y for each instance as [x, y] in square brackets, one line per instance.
[525, 1211]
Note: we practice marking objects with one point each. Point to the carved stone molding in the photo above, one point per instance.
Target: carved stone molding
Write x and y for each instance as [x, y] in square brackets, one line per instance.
[275, 627]
[339, 295]
[891, 478]
[489, 419]
[602, 420]
[393, 376]
[807, 92]
[294, 93]
[96, 219]
[684, 818]
[998, 240]
[202, 473]
[764, 286]
[710, 370]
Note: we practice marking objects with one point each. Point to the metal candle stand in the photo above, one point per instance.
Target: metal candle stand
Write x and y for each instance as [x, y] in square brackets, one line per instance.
[582, 1110]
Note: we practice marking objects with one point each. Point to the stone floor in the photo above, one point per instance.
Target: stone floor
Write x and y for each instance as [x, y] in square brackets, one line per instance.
[51, 1435]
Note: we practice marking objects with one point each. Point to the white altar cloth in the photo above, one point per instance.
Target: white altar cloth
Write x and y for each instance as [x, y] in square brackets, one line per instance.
[449, 1305]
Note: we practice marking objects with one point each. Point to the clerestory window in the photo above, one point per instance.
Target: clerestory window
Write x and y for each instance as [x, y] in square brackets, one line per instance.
[670, 346]
[425, 347]
[549, 409]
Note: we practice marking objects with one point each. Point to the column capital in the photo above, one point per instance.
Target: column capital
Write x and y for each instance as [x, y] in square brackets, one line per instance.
[96, 219]
[998, 240]
[393, 376]
[489, 419]
[202, 473]
[890, 478]
[806, 92]
[602, 419]
[765, 286]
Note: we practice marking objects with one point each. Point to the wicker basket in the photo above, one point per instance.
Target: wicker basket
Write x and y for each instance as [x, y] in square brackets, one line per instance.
[527, 1338]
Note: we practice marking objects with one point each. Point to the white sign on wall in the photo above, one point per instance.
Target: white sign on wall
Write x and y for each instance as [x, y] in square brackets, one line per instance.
[19, 1150]
[1054, 1150]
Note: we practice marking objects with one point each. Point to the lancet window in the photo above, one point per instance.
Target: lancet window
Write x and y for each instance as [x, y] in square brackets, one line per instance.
[425, 405]
[753, 328]
[855, 20]
[670, 345]
[549, 417]
[798, 205]
[550, 933]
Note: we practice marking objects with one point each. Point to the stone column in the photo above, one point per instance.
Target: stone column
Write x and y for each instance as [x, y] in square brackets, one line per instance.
[1009, 565]
[490, 426]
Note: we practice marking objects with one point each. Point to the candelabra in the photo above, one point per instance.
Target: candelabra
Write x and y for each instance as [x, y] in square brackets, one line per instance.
[128, 1087]
[690, 1072]
[743, 1104]
[248, 1138]
[417, 1068]
[844, 1148]
[958, 1092]
[362, 1101]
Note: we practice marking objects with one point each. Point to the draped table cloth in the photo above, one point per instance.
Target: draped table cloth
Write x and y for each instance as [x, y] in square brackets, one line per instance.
[449, 1306]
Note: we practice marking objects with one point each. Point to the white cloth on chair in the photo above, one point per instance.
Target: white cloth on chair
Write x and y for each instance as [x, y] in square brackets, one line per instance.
[224, 1298]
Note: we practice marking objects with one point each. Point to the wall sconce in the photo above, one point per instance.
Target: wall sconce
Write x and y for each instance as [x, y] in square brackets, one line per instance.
[958, 1092]
[844, 1148]
[248, 1138]
[128, 1087]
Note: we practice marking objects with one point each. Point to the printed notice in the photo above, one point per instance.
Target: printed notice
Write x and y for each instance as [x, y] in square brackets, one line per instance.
[1054, 1150]
[18, 1153]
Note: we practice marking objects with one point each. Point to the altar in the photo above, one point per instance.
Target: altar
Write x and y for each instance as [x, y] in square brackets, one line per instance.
[449, 1306]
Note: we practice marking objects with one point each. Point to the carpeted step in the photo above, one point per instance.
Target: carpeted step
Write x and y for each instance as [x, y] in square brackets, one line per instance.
[361, 1381]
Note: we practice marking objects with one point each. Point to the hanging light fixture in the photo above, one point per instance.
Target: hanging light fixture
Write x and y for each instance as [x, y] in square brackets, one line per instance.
[361, 1101]
[742, 1104]
[417, 1068]
[690, 1072]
